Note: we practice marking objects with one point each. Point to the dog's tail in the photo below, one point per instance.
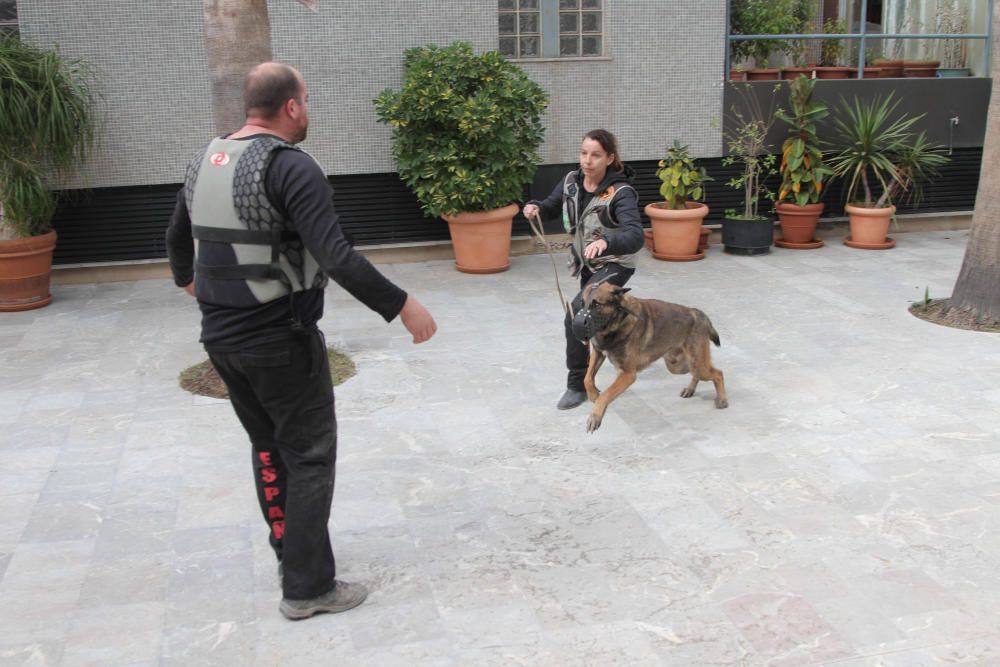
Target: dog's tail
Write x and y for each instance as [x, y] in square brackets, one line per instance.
[705, 325]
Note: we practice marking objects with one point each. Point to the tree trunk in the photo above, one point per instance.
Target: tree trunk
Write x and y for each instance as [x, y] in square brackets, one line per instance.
[237, 37]
[977, 290]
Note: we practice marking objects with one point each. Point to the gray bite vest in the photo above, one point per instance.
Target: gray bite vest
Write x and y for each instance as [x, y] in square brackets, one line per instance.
[228, 204]
[596, 220]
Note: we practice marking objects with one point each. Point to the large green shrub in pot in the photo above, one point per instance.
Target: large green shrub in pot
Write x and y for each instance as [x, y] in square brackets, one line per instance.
[466, 128]
[46, 128]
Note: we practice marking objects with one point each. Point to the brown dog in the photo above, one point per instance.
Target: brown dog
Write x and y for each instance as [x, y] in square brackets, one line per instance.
[633, 333]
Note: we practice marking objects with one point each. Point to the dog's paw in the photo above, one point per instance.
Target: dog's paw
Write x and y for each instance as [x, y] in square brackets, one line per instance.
[687, 392]
[721, 403]
[593, 422]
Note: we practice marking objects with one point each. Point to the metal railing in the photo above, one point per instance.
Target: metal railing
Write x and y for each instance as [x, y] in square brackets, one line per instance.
[863, 37]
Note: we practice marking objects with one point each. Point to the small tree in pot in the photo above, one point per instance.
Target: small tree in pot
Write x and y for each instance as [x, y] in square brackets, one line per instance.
[466, 129]
[802, 169]
[747, 231]
[676, 221]
[879, 147]
[46, 129]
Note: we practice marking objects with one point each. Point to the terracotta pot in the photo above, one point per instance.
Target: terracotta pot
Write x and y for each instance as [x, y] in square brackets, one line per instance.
[833, 72]
[25, 272]
[481, 239]
[762, 74]
[798, 223]
[889, 69]
[676, 231]
[705, 239]
[920, 69]
[869, 226]
[793, 72]
[737, 75]
[870, 73]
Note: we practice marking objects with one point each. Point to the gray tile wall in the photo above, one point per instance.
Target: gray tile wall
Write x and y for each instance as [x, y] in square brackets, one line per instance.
[662, 79]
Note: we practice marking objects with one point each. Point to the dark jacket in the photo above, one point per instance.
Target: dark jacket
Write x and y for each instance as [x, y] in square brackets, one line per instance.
[625, 211]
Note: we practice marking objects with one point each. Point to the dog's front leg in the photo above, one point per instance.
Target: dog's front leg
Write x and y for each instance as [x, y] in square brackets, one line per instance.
[621, 383]
[589, 380]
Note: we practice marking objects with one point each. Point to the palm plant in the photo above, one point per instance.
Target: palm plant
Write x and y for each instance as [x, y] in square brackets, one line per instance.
[46, 128]
[878, 144]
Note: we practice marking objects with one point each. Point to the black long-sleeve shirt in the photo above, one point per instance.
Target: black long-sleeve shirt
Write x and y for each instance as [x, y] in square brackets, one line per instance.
[297, 186]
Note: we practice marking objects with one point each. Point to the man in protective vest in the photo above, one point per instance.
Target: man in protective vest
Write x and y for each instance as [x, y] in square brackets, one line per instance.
[254, 236]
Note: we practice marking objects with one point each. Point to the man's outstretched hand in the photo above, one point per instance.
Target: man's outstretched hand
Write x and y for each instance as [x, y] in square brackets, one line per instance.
[417, 320]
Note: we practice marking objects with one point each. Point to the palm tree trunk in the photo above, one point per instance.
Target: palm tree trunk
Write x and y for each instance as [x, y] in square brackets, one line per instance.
[237, 37]
[977, 290]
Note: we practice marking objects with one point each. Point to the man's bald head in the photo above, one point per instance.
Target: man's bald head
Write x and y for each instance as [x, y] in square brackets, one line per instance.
[268, 86]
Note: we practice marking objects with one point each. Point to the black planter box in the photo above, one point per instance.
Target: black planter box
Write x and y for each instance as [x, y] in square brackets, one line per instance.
[747, 237]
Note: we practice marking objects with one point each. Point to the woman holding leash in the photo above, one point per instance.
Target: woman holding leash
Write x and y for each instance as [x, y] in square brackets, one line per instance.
[600, 209]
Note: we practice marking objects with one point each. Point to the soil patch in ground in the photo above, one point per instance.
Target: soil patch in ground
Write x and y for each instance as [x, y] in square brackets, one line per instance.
[201, 379]
[936, 311]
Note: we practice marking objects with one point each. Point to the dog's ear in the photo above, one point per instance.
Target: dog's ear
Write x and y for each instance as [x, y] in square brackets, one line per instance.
[625, 290]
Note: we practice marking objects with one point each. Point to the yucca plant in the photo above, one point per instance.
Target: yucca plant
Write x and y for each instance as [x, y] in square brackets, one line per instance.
[681, 179]
[877, 144]
[802, 170]
[46, 128]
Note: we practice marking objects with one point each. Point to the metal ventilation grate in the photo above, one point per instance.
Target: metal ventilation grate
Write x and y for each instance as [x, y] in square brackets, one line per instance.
[127, 224]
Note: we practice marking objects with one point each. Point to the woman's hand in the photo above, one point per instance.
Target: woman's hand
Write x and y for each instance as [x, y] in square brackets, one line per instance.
[530, 211]
[595, 248]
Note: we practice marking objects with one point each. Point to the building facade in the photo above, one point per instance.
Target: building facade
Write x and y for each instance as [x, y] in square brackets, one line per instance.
[652, 71]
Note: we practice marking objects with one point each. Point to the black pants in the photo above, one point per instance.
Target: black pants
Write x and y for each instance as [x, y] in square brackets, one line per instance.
[283, 396]
[577, 353]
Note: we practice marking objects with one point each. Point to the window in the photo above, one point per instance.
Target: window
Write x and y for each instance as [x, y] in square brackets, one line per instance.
[550, 28]
[8, 17]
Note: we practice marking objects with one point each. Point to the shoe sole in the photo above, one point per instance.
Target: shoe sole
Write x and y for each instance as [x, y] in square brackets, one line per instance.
[299, 614]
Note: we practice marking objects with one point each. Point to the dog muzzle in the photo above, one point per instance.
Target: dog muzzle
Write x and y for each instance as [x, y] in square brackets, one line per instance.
[587, 324]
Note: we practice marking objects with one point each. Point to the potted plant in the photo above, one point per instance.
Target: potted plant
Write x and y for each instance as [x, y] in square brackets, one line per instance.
[676, 221]
[46, 128]
[466, 130]
[798, 49]
[760, 17]
[952, 20]
[879, 146]
[832, 52]
[802, 170]
[747, 231]
[891, 64]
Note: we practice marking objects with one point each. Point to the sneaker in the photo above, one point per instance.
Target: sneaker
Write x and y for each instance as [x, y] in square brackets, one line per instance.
[344, 596]
[571, 399]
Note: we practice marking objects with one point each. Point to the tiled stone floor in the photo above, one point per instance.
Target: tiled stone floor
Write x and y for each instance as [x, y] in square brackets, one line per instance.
[843, 511]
